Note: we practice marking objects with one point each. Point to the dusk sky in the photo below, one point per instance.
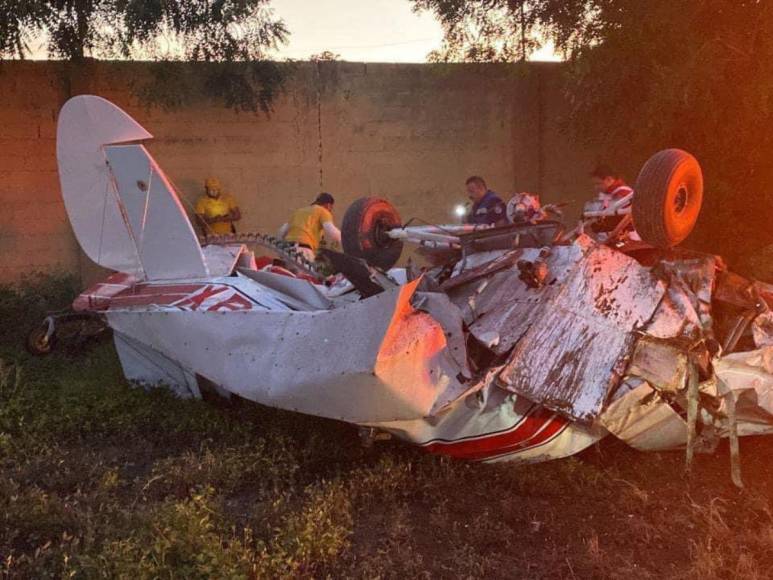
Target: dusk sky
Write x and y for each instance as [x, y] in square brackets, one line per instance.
[363, 30]
[370, 30]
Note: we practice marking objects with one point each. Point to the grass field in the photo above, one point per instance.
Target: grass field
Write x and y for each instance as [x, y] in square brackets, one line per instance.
[100, 479]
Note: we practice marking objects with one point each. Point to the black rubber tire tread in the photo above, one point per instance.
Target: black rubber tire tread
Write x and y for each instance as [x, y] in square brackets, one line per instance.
[359, 232]
[655, 217]
[33, 342]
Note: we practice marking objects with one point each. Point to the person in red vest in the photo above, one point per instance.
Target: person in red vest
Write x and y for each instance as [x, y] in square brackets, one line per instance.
[608, 184]
[609, 188]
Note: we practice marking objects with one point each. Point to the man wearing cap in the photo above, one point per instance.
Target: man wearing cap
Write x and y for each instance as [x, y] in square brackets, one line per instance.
[487, 207]
[308, 224]
[216, 210]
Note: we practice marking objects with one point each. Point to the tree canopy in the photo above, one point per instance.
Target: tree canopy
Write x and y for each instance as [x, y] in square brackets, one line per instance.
[210, 31]
[641, 76]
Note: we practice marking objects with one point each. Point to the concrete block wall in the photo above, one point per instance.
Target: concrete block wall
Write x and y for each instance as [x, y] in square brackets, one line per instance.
[409, 133]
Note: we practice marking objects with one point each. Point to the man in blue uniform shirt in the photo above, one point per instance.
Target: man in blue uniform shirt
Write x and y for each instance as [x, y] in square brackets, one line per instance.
[487, 207]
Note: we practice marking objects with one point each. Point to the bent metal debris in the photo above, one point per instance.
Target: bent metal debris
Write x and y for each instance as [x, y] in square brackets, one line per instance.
[527, 341]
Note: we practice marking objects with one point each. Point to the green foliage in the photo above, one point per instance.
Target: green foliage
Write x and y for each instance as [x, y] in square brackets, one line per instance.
[484, 30]
[237, 34]
[23, 306]
[99, 479]
[642, 76]
[200, 30]
[177, 539]
[241, 86]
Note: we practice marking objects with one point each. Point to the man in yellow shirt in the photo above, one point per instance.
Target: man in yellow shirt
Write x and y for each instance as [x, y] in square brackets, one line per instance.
[308, 224]
[217, 211]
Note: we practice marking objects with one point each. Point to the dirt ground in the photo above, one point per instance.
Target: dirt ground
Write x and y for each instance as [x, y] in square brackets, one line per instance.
[99, 479]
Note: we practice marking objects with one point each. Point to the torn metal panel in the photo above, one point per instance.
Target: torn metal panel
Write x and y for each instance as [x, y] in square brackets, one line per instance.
[296, 288]
[506, 307]
[693, 277]
[643, 420]
[449, 316]
[735, 289]
[662, 364]
[477, 259]
[222, 260]
[326, 363]
[675, 316]
[579, 341]
[507, 260]
[749, 376]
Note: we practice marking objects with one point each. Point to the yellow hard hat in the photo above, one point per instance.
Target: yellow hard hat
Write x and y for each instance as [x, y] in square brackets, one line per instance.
[213, 184]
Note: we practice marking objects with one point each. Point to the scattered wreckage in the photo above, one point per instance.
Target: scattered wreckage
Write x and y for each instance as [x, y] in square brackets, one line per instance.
[524, 342]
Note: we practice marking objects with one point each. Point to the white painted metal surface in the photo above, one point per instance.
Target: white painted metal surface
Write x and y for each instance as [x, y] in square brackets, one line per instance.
[311, 297]
[576, 348]
[396, 366]
[748, 377]
[492, 425]
[569, 338]
[124, 212]
[223, 260]
[86, 124]
[166, 243]
[642, 419]
[151, 368]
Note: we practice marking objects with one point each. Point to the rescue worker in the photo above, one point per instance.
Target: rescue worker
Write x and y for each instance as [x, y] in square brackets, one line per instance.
[608, 185]
[216, 210]
[487, 207]
[308, 224]
[609, 188]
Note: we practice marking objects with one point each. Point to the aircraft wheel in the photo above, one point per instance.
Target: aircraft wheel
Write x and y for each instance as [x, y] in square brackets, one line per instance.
[39, 342]
[668, 198]
[363, 232]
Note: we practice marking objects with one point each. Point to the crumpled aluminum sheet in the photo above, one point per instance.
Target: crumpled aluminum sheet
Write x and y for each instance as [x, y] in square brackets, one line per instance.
[663, 364]
[641, 418]
[748, 376]
[579, 339]
[374, 360]
[501, 308]
[448, 315]
[686, 311]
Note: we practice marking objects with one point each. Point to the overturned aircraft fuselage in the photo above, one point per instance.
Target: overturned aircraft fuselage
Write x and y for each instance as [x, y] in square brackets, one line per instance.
[528, 350]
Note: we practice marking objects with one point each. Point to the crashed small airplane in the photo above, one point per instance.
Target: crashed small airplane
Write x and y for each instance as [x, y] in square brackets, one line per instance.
[524, 342]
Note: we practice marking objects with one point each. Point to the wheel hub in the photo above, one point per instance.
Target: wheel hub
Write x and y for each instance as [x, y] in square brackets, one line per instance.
[380, 233]
[680, 200]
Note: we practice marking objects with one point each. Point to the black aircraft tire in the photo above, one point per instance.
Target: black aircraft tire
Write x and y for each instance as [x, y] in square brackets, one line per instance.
[363, 232]
[38, 343]
[668, 198]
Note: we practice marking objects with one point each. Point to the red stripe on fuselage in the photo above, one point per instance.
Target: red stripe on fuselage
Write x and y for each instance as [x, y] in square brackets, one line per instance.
[535, 429]
[161, 295]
